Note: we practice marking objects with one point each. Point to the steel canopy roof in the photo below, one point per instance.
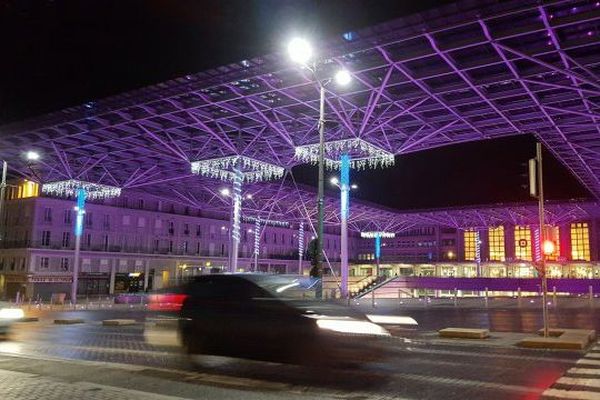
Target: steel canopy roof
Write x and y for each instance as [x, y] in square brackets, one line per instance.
[471, 71]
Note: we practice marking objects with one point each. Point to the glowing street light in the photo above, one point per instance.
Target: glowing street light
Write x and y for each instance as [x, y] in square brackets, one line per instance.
[300, 50]
[225, 192]
[32, 155]
[343, 77]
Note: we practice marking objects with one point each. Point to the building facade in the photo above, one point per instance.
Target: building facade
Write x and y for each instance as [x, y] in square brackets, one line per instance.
[133, 243]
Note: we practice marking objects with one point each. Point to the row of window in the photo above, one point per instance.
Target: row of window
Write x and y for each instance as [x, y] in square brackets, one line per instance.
[524, 236]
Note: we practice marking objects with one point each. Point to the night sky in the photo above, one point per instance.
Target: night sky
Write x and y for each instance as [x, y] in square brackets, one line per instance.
[57, 54]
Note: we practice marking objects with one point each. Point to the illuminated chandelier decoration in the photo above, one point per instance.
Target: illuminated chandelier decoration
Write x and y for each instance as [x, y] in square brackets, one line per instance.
[362, 154]
[271, 222]
[69, 188]
[223, 169]
[372, 235]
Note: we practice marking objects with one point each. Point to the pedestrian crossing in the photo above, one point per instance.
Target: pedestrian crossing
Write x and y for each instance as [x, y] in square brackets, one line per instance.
[582, 382]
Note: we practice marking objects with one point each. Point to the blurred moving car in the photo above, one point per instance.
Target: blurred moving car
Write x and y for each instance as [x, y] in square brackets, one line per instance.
[8, 315]
[263, 317]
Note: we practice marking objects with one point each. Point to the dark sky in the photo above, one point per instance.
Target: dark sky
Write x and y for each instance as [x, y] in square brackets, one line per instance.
[61, 53]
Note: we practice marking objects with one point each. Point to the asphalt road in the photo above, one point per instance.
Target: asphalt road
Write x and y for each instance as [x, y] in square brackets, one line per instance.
[420, 366]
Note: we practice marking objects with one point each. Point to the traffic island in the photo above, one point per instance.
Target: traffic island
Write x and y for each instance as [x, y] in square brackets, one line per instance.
[118, 322]
[68, 321]
[464, 333]
[565, 339]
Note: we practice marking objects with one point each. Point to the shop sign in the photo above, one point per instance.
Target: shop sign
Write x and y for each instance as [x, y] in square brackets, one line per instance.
[522, 242]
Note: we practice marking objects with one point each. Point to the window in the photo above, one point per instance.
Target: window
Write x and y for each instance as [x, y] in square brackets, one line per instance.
[1, 264]
[186, 229]
[45, 238]
[170, 246]
[105, 243]
[185, 247]
[47, 214]
[66, 239]
[141, 204]
[523, 243]
[470, 245]
[106, 221]
[64, 263]
[198, 231]
[141, 222]
[88, 239]
[580, 241]
[126, 220]
[496, 243]
[44, 262]
[171, 227]
[67, 217]
[88, 219]
[198, 248]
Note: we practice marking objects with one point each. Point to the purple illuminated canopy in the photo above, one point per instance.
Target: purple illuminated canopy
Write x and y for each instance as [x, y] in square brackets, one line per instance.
[471, 71]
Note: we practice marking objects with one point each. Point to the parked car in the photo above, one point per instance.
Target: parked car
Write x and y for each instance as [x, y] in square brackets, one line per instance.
[8, 315]
[263, 317]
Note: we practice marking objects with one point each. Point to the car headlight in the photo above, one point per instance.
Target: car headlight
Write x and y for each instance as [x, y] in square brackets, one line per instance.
[391, 319]
[352, 326]
[11, 313]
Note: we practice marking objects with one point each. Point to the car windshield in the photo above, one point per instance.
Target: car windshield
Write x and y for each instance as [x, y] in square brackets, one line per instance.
[293, 287]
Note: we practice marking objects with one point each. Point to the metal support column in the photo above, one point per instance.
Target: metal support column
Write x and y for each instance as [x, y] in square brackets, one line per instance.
[80, 210]
[236, 218]
[344, 211]
[377, 252]
[300, 247]
[320, 197]
[2, 196]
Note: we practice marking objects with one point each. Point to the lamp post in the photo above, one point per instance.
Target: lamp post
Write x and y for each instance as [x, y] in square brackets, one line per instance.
[344, 185]
[300, 51]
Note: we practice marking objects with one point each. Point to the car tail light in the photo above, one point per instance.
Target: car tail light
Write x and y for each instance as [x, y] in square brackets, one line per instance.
[166, 302]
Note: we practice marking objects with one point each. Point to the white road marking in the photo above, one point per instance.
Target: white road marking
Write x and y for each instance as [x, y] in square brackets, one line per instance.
[584, 371]
[588, 361]
[571, 394]
[565, 380]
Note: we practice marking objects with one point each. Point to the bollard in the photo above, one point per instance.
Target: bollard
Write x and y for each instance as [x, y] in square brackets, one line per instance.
[455, 297]
[373, 298]
[554, 296]
[591, 295]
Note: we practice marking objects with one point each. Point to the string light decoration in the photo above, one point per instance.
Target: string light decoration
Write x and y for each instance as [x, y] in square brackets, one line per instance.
[281, 224]
[223, 169]
[256, 237]
[373, 235]
[363, 155]
[301, 239]
[70, 188]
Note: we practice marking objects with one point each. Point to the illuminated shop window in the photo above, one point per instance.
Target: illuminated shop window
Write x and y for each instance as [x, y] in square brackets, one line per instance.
[26, 189]
[470, 244]
[522, 243]
[553, 234]
[496, 243]
[580, 241]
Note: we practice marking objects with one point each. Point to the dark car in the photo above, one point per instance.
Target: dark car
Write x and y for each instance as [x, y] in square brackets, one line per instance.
[266, 317]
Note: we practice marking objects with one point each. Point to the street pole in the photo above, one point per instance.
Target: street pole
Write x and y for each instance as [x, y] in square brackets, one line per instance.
[80, 209]
[256, 243]
[542, 237]
[320, 201]
[2, 195]
[344, 210]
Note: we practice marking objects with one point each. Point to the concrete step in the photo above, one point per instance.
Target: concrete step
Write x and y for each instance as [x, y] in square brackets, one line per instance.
[118, 322]
[69, 321]
[464, 333]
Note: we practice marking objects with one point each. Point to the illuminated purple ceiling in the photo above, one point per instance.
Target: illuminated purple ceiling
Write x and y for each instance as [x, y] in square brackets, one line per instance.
[467, 72]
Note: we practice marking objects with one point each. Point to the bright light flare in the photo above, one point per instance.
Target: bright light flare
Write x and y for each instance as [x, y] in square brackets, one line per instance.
[354, 186]
[334, 181]
[11, 313]
[343, 77]
[32, 155]
[549, 247]
[300, 50]
[391, 319]
[225, 192]
[352, 326]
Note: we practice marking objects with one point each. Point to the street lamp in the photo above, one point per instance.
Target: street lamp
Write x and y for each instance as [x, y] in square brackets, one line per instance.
[344, 185]
[301, 52]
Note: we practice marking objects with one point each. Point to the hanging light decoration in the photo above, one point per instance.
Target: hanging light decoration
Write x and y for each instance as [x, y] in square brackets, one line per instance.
[222, 169]
[363, 155]
[271, 222]
[372, 235]
[69, 188]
